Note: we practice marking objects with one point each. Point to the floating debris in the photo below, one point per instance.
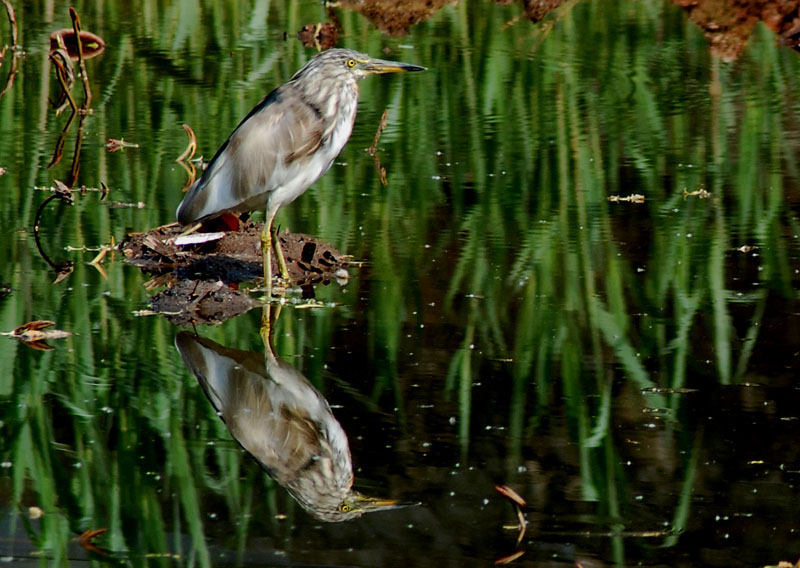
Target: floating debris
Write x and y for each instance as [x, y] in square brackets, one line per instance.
[510, 558]
[86, 540]
[125, 204]
[188, 154]
[510, 494]
[518, 503]
[633, 198]
[667, 390]
[98, 259]
[35, 333]
[83, 190]
[235, 258]
[701, 193]
[92, 45]
[115, 145]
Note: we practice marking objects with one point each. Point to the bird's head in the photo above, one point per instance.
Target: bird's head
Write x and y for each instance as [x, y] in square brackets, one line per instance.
[353, 506]
[356, 504]
[349, 63]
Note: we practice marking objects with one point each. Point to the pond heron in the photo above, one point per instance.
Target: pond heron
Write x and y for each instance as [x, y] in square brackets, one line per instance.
[286, 424]
[285, 144]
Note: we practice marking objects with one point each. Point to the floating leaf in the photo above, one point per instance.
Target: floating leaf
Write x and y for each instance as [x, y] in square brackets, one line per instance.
[39, 345]
[115, 145]
[510, 558]
[86, 540]
[63, 192]
[92, 45]
[35, 332]
[188, 153]
[510, 494]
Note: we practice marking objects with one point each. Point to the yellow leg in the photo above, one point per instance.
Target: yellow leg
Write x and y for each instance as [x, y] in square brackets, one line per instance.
[266, 328]
[269, 320]
[265, 254]
[276, 243]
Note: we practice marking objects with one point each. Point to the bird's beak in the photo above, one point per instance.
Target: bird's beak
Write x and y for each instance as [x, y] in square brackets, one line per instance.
[372, 504]
[379, 66]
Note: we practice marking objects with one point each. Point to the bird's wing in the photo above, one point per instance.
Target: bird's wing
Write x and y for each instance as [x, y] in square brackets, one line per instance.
[276, 428]
[262, 154]
[274, 415]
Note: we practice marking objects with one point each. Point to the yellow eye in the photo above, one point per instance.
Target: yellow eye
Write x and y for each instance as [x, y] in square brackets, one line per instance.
[344, 507]
[351, 62]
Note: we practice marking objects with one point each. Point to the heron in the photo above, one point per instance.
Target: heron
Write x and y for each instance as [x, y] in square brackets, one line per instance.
[285, 144]
[286, 424]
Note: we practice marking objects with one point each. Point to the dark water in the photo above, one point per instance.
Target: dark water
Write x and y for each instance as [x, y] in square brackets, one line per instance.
[628, 368]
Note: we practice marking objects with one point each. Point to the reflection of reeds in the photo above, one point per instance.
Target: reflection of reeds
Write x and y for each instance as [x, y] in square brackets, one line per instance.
[578, 291]
[510, 225]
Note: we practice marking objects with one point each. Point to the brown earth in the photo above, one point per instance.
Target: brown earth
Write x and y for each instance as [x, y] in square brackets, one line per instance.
[202, 280]
[728, 24]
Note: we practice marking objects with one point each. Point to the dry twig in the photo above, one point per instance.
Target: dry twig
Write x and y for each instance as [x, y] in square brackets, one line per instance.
[188, 154]
[381, 127]
[12, 19]
[633, 198]
[87, 90]
[373, 150]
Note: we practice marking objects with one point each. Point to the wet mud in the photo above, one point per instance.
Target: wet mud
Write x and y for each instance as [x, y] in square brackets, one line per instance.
[234, 258]
[202, 280]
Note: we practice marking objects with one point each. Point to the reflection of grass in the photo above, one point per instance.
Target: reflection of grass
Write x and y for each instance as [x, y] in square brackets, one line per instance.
[499, 159]
[583, 295]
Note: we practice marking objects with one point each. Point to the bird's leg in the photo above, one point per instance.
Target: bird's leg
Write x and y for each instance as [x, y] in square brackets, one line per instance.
[266, 325]
[191, 229]
[265, 254]
[269, 318]
[276, 244]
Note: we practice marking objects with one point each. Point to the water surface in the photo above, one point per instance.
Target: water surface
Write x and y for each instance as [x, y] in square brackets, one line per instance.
[628, 368]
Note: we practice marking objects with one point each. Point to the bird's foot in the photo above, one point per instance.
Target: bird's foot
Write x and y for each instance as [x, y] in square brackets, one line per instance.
[276, 292]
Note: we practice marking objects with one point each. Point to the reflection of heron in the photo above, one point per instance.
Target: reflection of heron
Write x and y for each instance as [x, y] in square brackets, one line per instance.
[285, 144]
[284, 423]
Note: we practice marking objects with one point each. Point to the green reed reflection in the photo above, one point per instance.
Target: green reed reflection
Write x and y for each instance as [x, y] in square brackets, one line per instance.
[495, 262]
